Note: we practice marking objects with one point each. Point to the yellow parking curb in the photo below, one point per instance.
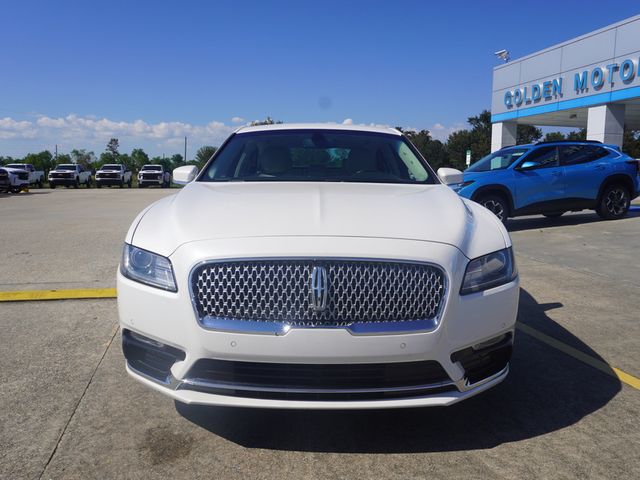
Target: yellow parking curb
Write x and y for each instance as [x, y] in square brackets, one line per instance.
[583, 357]
[30, 295]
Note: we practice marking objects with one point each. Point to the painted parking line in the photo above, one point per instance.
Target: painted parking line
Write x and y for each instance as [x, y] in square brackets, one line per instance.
[31, 295]
[583, 357]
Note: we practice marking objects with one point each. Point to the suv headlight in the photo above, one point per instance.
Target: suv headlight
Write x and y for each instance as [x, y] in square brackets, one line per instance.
[148, 268]
[489, 271]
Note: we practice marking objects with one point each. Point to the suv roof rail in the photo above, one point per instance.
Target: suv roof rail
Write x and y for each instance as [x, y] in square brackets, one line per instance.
[541, 142]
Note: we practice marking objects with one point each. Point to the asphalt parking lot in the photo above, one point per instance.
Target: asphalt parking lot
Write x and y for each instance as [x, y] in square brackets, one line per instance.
[68, 409]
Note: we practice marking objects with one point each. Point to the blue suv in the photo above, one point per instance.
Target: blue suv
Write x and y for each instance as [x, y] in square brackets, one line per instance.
[552, 178]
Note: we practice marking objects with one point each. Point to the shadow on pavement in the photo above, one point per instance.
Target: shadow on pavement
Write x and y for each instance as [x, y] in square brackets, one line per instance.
[546, 390]
[530, 223]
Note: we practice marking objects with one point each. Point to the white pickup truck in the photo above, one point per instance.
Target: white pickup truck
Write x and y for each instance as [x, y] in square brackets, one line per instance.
[153, 175]
[35, 177]
[113, 174]
[69, 175]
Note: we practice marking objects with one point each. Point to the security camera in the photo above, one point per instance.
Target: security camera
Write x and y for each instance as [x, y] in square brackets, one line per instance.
[502, 54]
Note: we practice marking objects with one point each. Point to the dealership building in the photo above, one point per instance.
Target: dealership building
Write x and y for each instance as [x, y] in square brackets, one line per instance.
[591, 82]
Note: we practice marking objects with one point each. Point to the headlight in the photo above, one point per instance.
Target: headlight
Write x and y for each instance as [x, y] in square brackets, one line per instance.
[489, 271]
[148, 268]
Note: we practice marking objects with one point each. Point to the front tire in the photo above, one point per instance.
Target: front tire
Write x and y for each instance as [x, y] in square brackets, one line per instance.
[52, 186]
[496, 205]
[614, 202]
[77, 184]
[98, 185]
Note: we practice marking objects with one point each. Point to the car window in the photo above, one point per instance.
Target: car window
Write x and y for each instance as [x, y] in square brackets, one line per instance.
[498, 160]
[577, 154]
[543, 157]
[317, 155]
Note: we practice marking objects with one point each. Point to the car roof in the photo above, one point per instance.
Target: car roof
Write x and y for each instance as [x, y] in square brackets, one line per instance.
[561, 142]
[319, 126]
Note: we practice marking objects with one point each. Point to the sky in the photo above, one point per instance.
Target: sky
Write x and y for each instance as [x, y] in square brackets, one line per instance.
[76, 73]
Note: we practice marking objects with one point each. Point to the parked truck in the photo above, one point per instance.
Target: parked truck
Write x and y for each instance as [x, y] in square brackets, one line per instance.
[113, 174]
[69, 175]
[153, 175]
[35, 177]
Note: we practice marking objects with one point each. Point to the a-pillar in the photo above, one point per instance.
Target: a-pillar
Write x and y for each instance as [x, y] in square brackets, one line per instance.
[503, 134]
[605, 123]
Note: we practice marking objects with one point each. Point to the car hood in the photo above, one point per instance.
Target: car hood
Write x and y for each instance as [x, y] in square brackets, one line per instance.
[204, 211]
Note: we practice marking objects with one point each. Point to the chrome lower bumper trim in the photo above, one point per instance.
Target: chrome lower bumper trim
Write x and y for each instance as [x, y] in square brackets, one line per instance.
[282, 328]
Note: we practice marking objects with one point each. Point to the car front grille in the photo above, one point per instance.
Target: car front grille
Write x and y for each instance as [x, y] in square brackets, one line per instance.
[23, 175]
[150, 176]
[281, 291]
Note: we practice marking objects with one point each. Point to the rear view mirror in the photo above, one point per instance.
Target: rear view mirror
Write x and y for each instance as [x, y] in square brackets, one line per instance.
[184, 175]
[449, 176]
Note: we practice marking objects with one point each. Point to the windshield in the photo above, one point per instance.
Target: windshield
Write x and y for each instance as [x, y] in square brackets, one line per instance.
[317, 156]
[152, 167]
[110, 167]
[497, 160]
[65, 167]
[20, 166]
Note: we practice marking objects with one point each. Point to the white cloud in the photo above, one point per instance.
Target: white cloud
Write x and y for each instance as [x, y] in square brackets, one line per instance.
[442, 132]
[76, 131]
[237, 120]
[347, 121]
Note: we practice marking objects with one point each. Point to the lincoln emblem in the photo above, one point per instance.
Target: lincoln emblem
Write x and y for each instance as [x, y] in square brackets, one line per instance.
[319, 289]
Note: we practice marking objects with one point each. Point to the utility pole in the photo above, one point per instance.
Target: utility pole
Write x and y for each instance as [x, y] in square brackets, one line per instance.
[185, 149]
[56, 153]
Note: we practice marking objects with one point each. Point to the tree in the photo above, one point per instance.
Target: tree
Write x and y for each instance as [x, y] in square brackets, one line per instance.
[177, 160]
[139, 158]
[165, 162]
[631, 143]
[43, 161]
[204, 154]
[577, 134]
[267, 121]
[126, 160]
[4, 160]
[83, 158]
[527, 134]
[432, 150]
[106, 157]
[554, 137]
[113, 146]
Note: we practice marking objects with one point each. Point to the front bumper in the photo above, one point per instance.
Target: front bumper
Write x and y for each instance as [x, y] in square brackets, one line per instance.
[169, 318]
[149, 182]
[109, 181]
[62, 181]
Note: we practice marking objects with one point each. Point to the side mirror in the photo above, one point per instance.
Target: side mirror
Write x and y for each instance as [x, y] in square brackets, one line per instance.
[184, 175]
[527, 166]
[449, 176]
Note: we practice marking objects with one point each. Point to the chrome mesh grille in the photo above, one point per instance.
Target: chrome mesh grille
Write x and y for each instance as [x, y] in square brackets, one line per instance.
[280, 290]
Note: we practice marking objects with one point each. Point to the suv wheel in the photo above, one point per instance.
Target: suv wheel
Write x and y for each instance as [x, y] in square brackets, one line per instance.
[496, 205]
[77, 184]
[614, 202]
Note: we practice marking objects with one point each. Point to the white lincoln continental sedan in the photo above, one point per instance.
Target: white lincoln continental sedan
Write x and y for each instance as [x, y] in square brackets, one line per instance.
[317, 266]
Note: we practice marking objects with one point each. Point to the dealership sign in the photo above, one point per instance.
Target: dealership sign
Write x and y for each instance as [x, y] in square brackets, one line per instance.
[595, 78]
